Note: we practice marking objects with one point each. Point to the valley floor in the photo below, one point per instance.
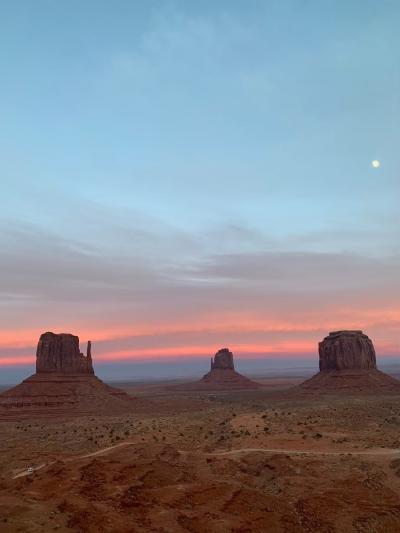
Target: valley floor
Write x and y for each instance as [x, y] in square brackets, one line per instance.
[257, 461]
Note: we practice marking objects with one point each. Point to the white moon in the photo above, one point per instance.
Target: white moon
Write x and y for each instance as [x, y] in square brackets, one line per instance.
[375, 163]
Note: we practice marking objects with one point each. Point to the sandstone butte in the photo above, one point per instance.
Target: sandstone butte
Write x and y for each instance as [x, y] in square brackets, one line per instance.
[64, 383]
[222, 375]
[347, 362]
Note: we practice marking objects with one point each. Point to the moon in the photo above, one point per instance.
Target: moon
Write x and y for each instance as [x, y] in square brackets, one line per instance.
[375, 163]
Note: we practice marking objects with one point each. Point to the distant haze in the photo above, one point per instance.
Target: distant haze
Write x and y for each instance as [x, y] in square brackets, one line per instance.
[194, 368]
[181, 176]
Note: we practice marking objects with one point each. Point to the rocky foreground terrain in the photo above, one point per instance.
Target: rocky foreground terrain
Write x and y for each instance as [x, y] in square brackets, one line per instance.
[239, 461]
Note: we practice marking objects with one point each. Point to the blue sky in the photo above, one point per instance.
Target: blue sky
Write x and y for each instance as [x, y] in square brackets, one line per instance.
[157, 158]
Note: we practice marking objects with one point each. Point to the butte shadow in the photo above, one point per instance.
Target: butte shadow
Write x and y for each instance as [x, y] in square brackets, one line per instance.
[347, 364]
[64, 383]
[222, 376]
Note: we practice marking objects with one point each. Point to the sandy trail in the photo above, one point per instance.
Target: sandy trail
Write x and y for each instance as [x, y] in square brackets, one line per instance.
[103, 450]
[72, 459]
[34, 468]
[238, 451]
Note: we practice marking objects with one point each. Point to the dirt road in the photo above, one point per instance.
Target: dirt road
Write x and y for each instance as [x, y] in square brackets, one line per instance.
[239, 451]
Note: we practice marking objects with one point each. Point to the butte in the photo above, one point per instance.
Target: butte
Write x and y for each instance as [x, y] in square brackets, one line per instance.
[64, 384]
[222, 375]
[347, 363]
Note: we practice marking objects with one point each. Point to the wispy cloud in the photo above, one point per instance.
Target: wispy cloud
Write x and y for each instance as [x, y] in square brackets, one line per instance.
[150, 301]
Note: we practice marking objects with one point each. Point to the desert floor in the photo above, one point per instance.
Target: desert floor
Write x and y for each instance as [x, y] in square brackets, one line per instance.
[260, 461]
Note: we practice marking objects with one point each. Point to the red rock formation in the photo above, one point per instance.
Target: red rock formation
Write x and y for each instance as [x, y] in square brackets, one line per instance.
[223, 359]
[60, 353]
[349, 349]
[64, 383]
[222, 375]
[347, 363]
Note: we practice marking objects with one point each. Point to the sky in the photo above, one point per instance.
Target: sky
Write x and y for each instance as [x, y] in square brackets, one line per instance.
[177, 176]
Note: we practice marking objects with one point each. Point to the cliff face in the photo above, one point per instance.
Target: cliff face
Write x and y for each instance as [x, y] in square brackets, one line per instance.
[60, 353]
[223, 359]
[344, 350]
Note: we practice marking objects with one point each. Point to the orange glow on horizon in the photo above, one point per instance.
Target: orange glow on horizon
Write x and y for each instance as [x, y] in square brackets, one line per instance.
[18, 360]
[192, 351]
[178, 351]
[305, 335]
[238, 322]
[308, 349]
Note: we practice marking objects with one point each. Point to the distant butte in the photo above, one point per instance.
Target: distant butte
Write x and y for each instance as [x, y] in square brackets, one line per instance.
[347, 362]
[222, 375]
[64, 383]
